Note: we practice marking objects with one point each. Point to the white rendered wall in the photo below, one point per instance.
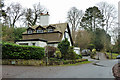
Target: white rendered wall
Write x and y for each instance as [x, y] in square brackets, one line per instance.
[67, 36]
[54, 45]
[37, 43]
[44, 20]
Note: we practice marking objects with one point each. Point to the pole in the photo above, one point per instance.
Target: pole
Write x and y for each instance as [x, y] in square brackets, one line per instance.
[47, 56]
[111, 54]
[111, 51]
[98, 54]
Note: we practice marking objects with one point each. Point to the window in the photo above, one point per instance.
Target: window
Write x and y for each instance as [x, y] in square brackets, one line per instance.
[33, 44]
[39, 31]
[50, 30]
[23, 43]
[30, 31]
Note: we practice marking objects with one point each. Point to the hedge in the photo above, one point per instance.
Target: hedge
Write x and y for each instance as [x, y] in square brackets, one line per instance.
[14, 51]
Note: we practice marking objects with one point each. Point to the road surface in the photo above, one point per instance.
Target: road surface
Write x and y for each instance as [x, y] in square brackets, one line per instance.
[102, 69]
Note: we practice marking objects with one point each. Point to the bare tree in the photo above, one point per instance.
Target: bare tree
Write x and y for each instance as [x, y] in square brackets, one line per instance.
[32, 15]
[109, 12]
[74, 17]
[2, 11]
[14, 12]
[83, 39]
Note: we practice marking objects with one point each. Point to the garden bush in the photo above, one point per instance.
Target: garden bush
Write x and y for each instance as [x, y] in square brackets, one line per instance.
[63, 46]
[71, 54]
[94, 51]
[92, 55]
[13, 51]
[78, 56]
[51, 51]
[91, 46]
[58, 54]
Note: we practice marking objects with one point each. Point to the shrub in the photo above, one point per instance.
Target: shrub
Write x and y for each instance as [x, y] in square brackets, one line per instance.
[94, 51]
[53, 59]
[64, 47]
[58, 54]
[51, 50]
[78, 56]
[92, 55]
[13, 51]
[91, 46]
[66, 62]
[71, 54]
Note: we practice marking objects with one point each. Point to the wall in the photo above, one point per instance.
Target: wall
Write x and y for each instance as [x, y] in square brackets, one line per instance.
[37, 43]
[67, 36]
[54, 45]
[44, 20]
[22, 62]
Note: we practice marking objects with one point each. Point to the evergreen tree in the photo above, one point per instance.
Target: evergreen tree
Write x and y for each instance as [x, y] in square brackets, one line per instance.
[92, 19]
[64, 47]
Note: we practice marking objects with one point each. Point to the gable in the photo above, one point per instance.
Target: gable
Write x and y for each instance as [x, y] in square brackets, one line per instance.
[39, 28]
[50, 27]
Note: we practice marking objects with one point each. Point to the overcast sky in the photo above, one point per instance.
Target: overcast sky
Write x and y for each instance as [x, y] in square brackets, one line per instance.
[58, 8]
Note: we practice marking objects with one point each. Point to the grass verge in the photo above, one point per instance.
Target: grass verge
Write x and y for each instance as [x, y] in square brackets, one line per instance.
[84, 62]
[114, 55]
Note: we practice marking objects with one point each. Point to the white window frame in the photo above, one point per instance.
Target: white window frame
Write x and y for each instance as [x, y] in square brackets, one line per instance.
[30, 31]
[40, 31]
[50, 30]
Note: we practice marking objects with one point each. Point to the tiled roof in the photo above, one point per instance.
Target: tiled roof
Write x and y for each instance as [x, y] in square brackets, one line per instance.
[51, 37]
[58, 27]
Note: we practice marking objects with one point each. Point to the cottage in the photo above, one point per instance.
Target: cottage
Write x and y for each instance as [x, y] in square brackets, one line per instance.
[49, 35]
[46, 34]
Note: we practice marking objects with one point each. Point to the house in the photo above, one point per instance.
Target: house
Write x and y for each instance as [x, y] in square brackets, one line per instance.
[49, 35]
[46, 34]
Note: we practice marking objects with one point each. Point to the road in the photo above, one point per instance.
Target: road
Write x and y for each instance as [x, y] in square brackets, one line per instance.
[102, 69]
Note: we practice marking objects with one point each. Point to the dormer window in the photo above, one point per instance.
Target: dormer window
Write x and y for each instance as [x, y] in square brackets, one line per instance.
[39, 31]
[50, 28]
[30, 30]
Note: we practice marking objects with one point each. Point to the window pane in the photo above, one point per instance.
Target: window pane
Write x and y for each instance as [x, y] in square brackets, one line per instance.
[39, 31]
[29, 31]
[33, 44]
[50, 30]
[23, 43]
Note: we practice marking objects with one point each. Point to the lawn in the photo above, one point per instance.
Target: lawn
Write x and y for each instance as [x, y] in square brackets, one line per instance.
[84, 62]
[114, 55]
